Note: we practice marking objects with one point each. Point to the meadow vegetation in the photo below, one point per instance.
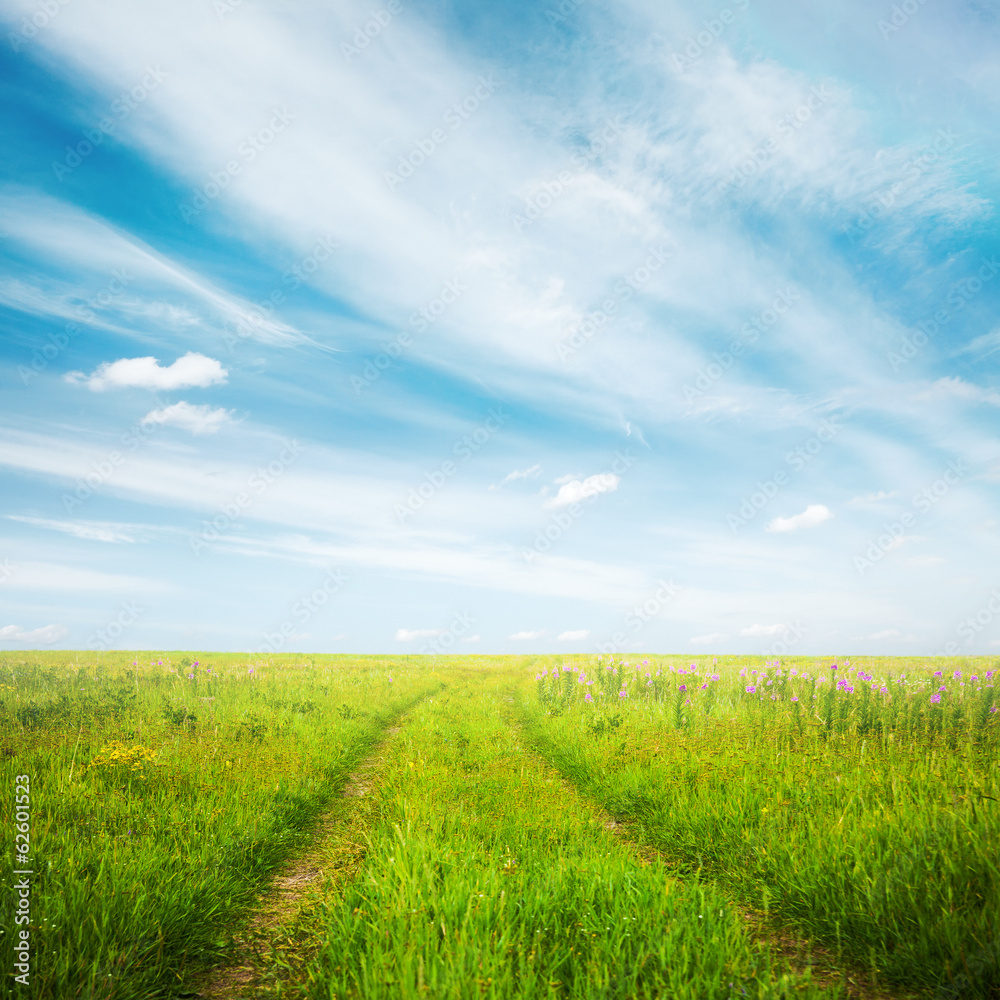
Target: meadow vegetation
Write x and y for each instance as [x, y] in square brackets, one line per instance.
[856, 807]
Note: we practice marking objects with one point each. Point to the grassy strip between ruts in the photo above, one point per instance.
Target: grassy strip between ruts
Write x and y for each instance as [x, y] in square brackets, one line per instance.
[482, 878]
[882, 849]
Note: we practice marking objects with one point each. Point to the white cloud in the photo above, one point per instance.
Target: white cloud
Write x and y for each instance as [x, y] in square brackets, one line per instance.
[146, 373]
[520, 474]
[577, 490]
[707, 640]
[753, 631]
[196, 419]
[527, 635]
[573, 636]
[409, 634]
[815, 513]
[47, 634]
[887, 633]
[472, 638]
[97, 531]
[957, 388]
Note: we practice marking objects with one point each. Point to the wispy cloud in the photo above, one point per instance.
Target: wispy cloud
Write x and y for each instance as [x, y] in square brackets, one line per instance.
[524, 636]
[573, 636]
[98, 531]
[520, 474]
[708, 640]
[756, 631]
[409, 634]
[954, 387]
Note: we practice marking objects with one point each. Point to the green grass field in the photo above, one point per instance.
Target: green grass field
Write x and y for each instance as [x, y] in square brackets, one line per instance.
[849, 817]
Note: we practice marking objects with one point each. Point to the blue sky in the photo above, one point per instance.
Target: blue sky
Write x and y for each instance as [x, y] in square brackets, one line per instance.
[423, 327]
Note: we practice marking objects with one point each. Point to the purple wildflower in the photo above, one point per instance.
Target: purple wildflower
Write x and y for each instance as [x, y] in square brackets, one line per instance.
[751, 688]
[935, 698]
[682, 687]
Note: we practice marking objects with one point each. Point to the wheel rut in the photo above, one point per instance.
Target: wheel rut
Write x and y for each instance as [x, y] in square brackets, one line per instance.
[801, 955]
[332, 857]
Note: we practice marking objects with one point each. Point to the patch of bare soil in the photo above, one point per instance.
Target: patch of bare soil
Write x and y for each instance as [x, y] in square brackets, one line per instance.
[291, 889]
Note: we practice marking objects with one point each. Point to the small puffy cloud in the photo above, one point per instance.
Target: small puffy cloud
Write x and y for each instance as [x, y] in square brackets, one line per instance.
[196, 419]
[472, 638]
[527, 635]
[573, 636]
[754, 631]
[409, 634]
[46, 635]
[146, 373]
[576, 490]
[815, 513]
[886, 633]
[707, 640]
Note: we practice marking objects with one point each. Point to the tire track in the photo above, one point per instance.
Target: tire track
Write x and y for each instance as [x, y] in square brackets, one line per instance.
[332, 858]
[802, 956]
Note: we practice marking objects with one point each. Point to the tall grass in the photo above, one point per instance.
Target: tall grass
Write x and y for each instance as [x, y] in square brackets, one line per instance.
[858, 803]
[164, 791]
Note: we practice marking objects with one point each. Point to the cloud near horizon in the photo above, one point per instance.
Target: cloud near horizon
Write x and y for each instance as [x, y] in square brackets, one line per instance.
[46, 635]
